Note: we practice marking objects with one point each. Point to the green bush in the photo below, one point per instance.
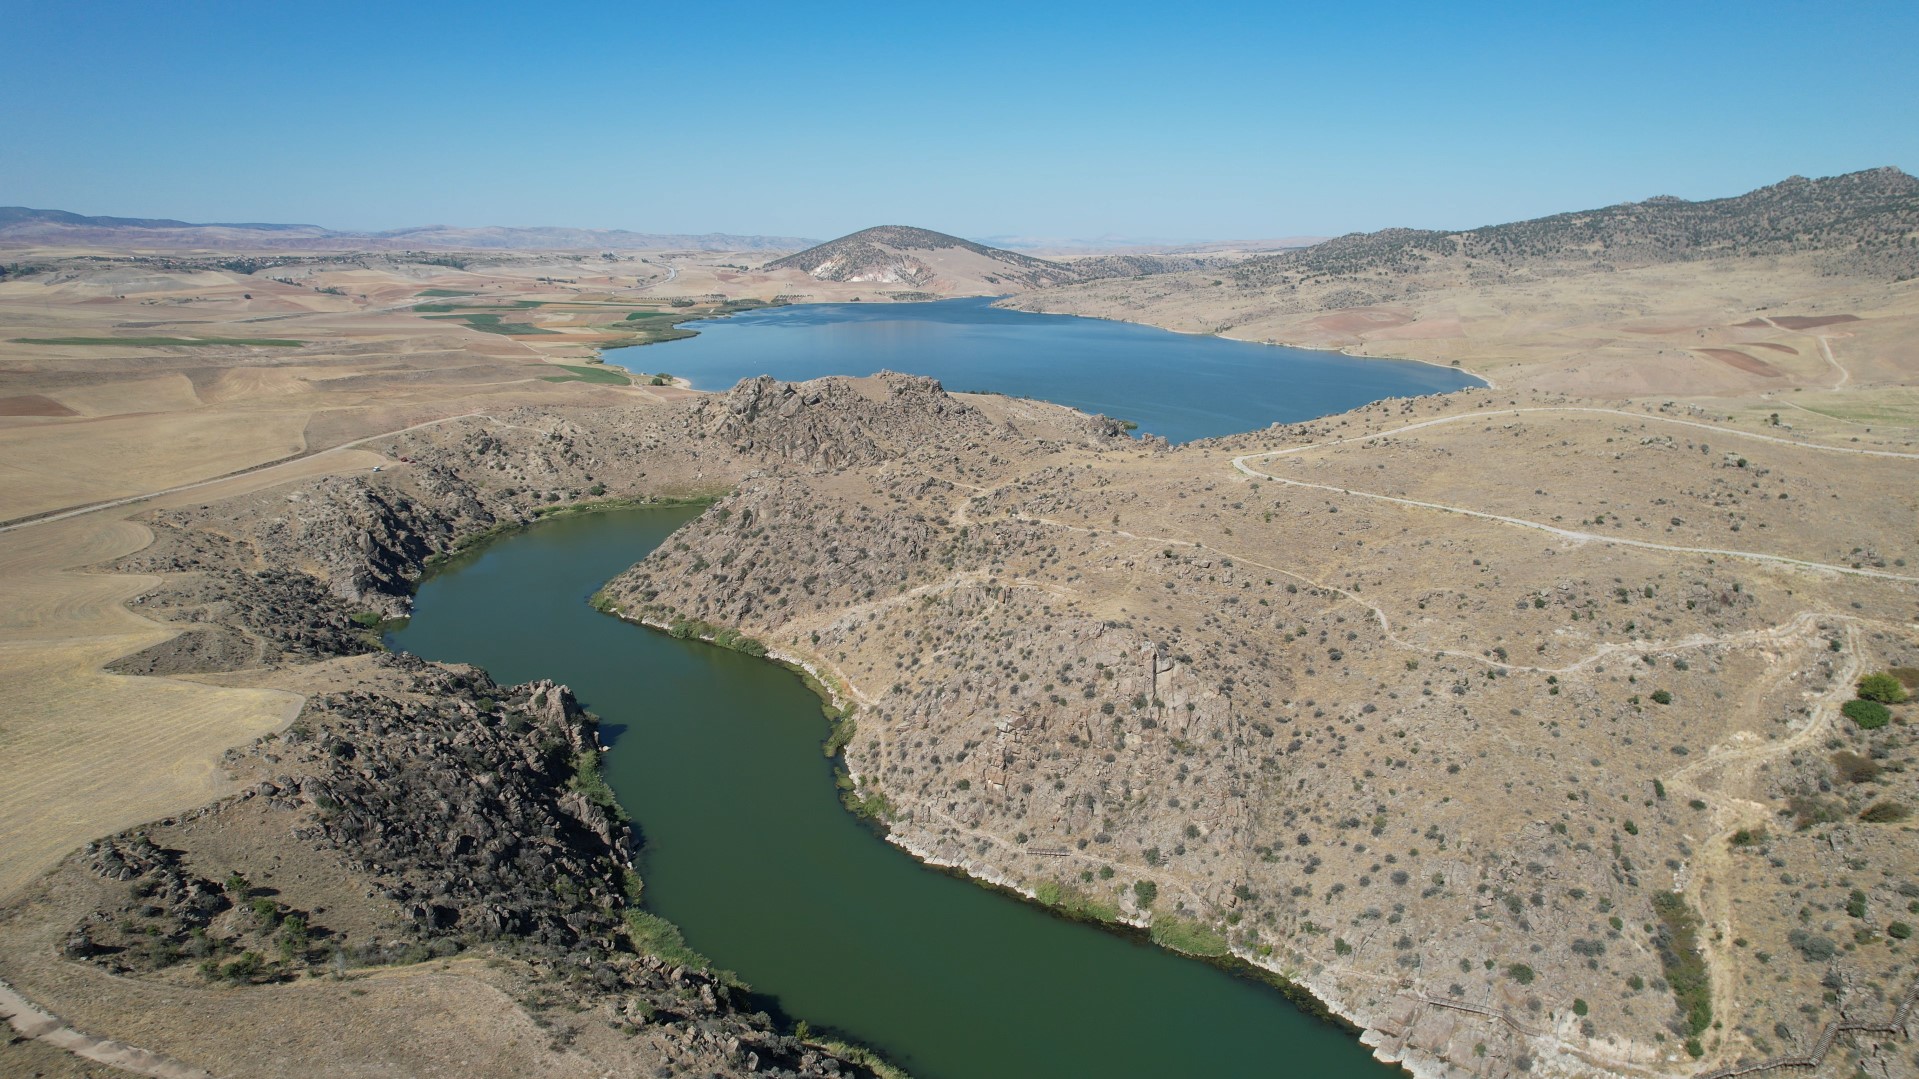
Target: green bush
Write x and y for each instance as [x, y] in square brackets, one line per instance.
[1146, 891]
[1660, 696]
[1870, 715]
[1899, 929]
[1521, 973]
[1882, 687]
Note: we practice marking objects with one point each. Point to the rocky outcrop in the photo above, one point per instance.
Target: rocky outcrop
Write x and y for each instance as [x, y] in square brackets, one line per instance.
[470, 816]
[830, 422]
[472, 806]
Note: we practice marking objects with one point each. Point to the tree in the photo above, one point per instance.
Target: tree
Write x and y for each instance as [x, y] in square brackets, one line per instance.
[1146, 891]
[1882, 687]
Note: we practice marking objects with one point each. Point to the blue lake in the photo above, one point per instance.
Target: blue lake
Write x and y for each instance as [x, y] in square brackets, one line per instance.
[1179, 386]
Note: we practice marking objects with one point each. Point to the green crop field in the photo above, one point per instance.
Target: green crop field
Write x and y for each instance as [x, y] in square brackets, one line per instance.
[606, 375]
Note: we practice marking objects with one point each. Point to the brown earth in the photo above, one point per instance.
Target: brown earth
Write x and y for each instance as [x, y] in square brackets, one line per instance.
[33, 404]
[1801, 322]
[1741, 361]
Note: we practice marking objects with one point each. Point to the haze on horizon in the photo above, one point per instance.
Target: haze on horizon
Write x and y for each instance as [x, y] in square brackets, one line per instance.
[1074, 122]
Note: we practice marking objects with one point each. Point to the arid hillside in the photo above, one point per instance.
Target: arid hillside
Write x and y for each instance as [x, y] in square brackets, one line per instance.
[1548, 777]
[1662, 297]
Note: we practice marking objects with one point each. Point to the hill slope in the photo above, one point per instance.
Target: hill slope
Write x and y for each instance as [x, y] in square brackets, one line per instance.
[1663, 296]
[1865, 222]
[924, 259]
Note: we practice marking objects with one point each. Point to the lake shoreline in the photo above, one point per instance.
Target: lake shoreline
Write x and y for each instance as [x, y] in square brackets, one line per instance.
[1337, 350]
[1314, 1000]
[1218, 385]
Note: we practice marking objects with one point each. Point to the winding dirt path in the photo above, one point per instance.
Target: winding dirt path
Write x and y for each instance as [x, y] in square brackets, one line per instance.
[1712, 869]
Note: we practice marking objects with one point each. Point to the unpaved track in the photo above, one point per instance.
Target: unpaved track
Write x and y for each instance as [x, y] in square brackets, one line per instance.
[31, 1022]
[252, 470]
[1730, 768]
[1241, 463]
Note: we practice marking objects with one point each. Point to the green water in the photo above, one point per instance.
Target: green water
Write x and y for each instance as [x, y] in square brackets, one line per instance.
[747, 848]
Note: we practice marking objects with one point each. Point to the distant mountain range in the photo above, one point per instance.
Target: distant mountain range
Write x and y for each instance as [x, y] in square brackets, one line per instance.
[23, 225]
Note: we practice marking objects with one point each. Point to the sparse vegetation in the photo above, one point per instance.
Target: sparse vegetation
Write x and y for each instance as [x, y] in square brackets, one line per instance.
[1677, 941]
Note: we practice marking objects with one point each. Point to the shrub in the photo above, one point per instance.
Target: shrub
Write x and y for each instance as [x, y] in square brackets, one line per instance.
[587, 780]
[1870, 715]
[1190, 937]
[1146, 891]
[1854, 768]
[1899, 929]
[1660, 696]
[655, 936]
[1815, 948]
[1885, 813]
[1520, 973]
[243, 969]
[1882, 687]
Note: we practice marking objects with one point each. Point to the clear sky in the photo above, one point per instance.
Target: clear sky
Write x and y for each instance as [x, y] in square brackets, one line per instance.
[1174, 121]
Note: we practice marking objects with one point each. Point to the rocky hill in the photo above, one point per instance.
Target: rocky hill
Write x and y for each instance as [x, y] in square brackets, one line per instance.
[1862, 222]
[926, 260]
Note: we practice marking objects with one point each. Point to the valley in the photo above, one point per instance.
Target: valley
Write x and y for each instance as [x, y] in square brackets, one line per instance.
[1516, 724]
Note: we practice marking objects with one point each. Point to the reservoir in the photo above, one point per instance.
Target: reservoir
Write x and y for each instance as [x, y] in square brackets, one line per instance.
[717, 755]
[1178, 386]
[747, 848]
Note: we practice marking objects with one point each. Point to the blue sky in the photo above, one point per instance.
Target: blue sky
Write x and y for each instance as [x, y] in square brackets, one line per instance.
[1193, 121]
